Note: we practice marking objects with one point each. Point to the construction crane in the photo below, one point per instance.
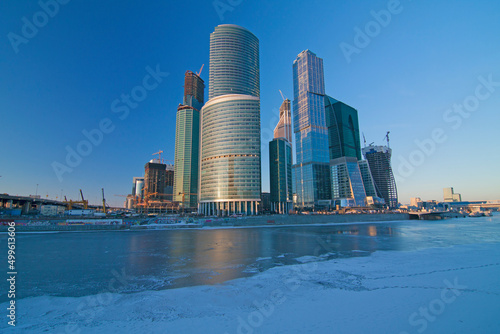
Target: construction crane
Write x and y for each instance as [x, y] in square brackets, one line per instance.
[201, 69]
[364, 139]
[387, 138]
[103, 201]
[159, 155]
[282, 96]
[70, 203]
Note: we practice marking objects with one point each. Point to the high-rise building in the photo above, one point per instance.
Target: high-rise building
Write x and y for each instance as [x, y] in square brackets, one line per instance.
[230, 171]
[284, 127]
[311, 171]
[187, 137]
[451, 196]
[366, 174]
[154, 180]
[280, 175]
[348, 188]
[343, 129]
[379, 161]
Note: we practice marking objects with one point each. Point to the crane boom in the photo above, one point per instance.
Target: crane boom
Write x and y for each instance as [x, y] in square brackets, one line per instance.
[81, 194]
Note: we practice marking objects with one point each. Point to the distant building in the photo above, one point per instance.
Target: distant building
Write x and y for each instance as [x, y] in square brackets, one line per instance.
[450, 196]
[187, 137]
[280, 169]
[311, 171]
[416, 202]
[154, 180]
[379, 161]
[138, 187]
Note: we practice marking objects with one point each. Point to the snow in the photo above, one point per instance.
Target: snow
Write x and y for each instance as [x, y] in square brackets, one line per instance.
[436, 290]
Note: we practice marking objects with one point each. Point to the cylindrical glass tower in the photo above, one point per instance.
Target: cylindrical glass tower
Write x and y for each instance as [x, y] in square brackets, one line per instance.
[230, 126]
[234, 62]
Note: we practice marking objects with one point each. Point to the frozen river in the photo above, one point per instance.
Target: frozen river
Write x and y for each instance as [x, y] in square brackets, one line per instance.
[86, 263]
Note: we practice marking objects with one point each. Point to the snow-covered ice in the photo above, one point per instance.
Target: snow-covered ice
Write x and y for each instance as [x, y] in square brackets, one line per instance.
[435, 290]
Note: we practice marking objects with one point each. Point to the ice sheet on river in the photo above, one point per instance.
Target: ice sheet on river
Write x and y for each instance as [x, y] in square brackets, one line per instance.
[436, 290]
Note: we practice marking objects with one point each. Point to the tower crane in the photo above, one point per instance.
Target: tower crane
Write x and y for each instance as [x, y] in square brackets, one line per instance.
[387, 138]
[159, 155]
[201, 69]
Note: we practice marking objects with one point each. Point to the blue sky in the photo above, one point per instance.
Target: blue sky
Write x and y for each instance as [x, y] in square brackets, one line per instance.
[404, 77]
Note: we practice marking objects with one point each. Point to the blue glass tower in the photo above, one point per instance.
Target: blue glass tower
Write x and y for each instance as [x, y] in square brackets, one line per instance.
[311, 172]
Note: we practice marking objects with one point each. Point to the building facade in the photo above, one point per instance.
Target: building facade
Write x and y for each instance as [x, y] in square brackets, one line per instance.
[154, 180]
[343, 129]
[284, 127]
[187, 137]
[379, 161]
[280, 175]
[230, 161]
[311, 171]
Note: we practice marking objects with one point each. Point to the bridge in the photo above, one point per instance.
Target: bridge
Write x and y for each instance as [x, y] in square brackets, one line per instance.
[32, 203]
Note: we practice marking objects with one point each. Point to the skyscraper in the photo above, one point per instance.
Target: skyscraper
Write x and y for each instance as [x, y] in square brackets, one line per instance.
[284, 127]
[187, 137]
[379, 160]
[280, 175]
[230, 175]
[311, 171]
[348, 187]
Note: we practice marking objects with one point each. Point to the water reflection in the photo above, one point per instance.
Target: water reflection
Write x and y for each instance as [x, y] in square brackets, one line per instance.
[77, 264]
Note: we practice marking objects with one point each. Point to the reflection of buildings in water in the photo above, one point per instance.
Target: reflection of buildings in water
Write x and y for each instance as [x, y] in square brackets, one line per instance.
[218, 254]
[372, 231]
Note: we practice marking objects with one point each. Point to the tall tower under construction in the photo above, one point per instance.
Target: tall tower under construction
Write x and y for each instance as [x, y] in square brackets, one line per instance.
[187, 136]
[379, 160]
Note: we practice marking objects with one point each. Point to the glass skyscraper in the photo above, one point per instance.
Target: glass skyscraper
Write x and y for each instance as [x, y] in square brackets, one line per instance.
[311, 171]
[187, 136]
[230, 171]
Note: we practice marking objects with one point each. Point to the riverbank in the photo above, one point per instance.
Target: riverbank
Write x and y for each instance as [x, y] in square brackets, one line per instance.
[44, 225]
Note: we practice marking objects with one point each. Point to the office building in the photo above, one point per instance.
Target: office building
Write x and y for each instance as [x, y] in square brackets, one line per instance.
[311, 171]
[230, 162]
[187, 137]
[451, 196]
[379, 161]
[280, 175]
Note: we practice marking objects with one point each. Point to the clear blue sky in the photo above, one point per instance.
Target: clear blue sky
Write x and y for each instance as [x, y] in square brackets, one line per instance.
[64, 78]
